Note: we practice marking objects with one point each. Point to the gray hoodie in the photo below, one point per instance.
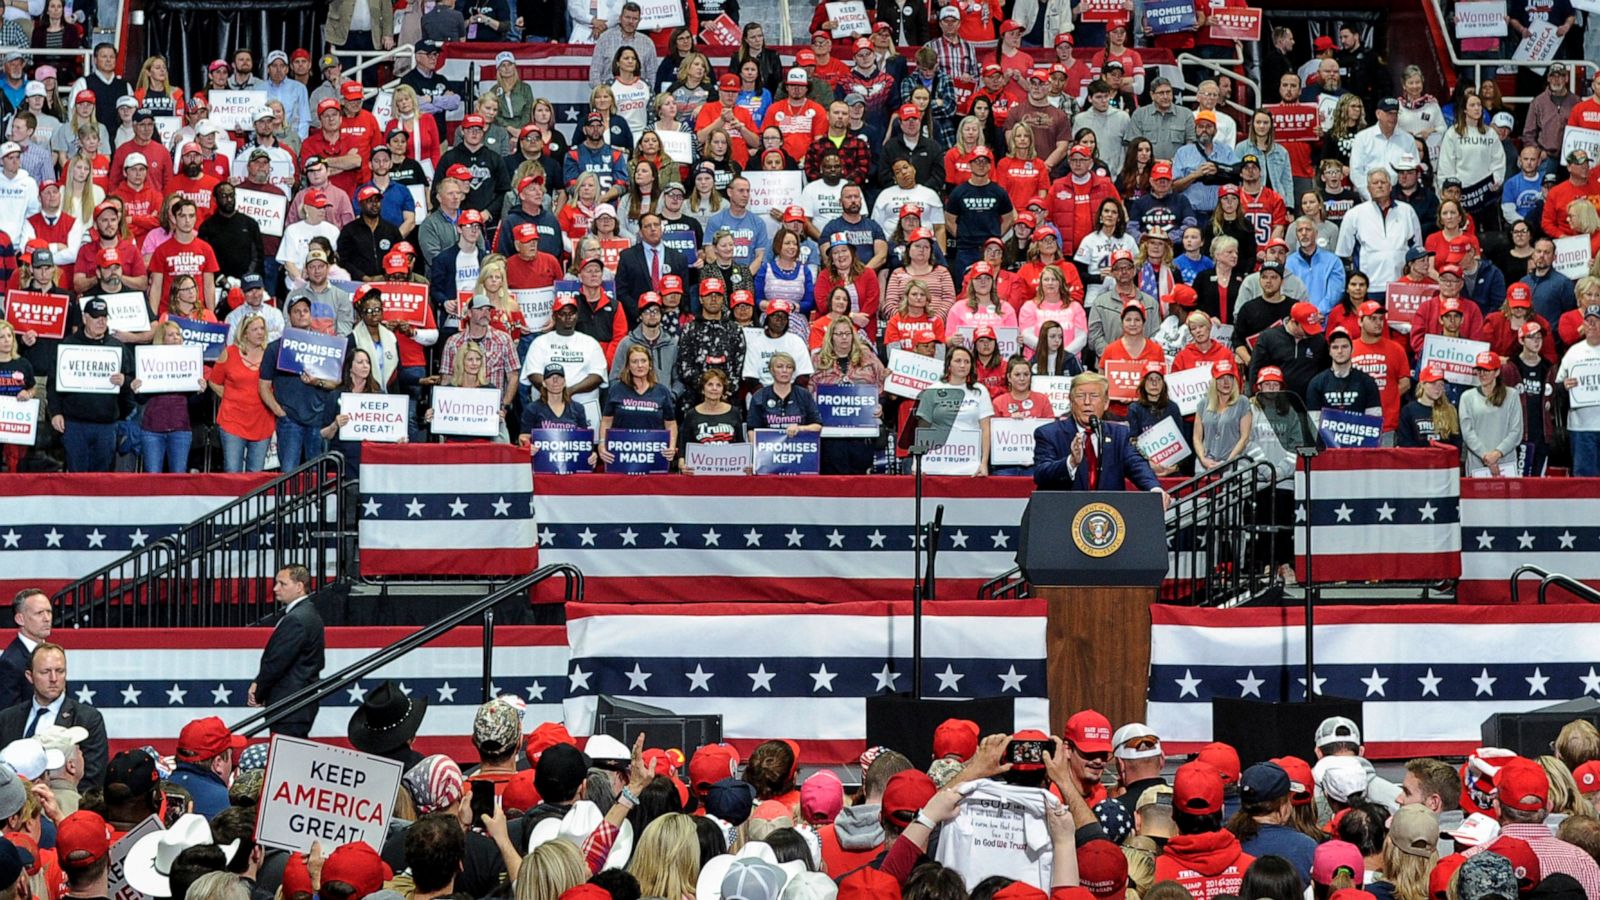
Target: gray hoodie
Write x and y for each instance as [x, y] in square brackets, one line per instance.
[858, 827]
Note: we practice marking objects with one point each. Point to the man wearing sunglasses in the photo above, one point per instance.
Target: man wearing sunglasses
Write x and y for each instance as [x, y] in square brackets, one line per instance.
[1088, 740]
[1137, 750]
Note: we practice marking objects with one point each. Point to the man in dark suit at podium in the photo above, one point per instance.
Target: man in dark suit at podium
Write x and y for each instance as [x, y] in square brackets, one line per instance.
[1082, 452]
[294, 654]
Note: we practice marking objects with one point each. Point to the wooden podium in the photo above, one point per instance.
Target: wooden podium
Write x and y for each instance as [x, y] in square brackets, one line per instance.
[1098, 559]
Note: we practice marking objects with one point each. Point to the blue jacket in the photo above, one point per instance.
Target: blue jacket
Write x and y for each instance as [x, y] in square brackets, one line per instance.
[1488, 288]
[209, 793]
[1552, 294]
[607, 162]
[1275, 165]
[1323, 275]
[1119, 461]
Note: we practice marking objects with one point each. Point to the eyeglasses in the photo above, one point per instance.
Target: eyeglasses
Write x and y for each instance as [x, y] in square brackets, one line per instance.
[1142, 743]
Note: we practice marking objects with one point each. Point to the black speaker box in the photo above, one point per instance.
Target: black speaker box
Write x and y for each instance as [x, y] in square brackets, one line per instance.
[625, 719]
[1262, 730]
[908, 725]
[1532, 733]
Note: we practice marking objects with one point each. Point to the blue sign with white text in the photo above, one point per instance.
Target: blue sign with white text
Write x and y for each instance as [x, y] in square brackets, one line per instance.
[779, 454]
[319, 355]
[640, 452]
[561, 451]
[1341, 428]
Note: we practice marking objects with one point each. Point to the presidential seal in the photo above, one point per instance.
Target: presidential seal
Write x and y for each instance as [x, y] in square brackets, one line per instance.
[1098, 530]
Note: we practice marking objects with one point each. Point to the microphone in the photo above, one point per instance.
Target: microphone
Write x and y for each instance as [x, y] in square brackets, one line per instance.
[1094, 423]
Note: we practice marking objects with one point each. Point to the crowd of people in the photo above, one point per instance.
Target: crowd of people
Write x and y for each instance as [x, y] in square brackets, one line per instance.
[973, 190]
[532, 813]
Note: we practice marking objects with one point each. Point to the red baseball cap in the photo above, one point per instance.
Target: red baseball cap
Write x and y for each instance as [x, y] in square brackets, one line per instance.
[712, 286]
[1588, 777]
[205, 738]
[470, 217]
[527, 232]
[1064, 37]
[1103, 869]
[1444, 871]
[1370, 308]
[993, 69]
[359, 866]
[317, 199]
[1307, 317]
[1298, 770]
[1528, 330]
[563, 301]
[530, 180]
[110, 256]
[1524, 862]
[987, 331]
[710, 764]
[458, 172]
[779, 306]
[395, 262]
[905, 795]
[742, 298]
[1081, 150]
[980, 268]
[1088, 731]
[1182, 295]
[82, 832]
[649, 298]
[867, 883]
[1010, 25]
[1521, 784]
[84, 96]
[1121, 255]
[1019, 890]
[919, 234]
[910, 111]
[806, 57]
[728, 82]
[473, 120]
[1219, 755]
[351, 90]
[671, 284]
[863, 44]
[1432, 373]
[955, 737]
[1519, 295]
[794, 214]
[1223, 366]
[1228, 190]
[1027, 219]
[519, 793]
[367, 191]
[1274, 375]
[1039, 75]
[1449, 305]
[326, 104]
[1197, 787]
[1160, 169]
[982, 152]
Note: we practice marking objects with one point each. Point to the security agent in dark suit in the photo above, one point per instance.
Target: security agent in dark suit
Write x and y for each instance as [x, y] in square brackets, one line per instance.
[30, 609]
[1082, 452]
[637, 267]
[48, 703]
[294, 654]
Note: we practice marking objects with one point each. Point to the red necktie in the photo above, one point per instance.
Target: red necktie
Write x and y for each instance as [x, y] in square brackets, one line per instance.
[1091, 459]
[655, 267]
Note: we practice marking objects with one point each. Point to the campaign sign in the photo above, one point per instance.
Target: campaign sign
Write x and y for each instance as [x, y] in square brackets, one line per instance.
[1005, 339]
[1585, 139]
[1540, 44]
[1169, 16]
[1229, 23]
[19, 421]
[1222, 334]
[1453, 356]
[1573, 255]
[910, 372]
[43, 314]
[269, 209]
[1058, 388]
[1103, 11]
[958, 455]
[127, 311]
[849, 19]
[1124, 375]
[210, 337]
[716, 459]
[166, 369]
[1404, 302]
[1480, 18]
[87, 369]
[1587, 392]
[677, 145]
[848, 410]
[536, 305]
[561, 451]
[467, 412]
[235, 110]
[1343, 428]
[640, 452]
[1295, 121]
[404, 302]
[776, 453]
[320, 355]
[374, 417]
[1188, 388]
[1163, 444]
[117, 887]
[722, 32]
[658, 14]
[1011, 440]
[775, 190]
[318, 792]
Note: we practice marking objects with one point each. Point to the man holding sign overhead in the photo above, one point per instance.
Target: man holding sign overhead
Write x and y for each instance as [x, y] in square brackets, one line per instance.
[1084, 453]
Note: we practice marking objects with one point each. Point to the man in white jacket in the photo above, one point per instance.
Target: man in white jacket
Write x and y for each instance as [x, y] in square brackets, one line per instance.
[1381, 145]
[19, 193]
[1375, 235]
[1581, 366]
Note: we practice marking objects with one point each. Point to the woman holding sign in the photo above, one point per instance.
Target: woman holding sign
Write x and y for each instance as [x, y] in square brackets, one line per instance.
[1152, 407]
[16, 380]
[713, 420]
[977, 408]
[784, 404]
[845, 358]
[358, 379]
[1054, 302]
[639, 403]
[165, 423]
[244, 420]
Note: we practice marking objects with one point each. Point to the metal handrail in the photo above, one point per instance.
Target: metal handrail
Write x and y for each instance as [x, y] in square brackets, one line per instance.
[1572, 585]
[1478, 65]
[1219, 66]
[1516, 577]
[483, 606]
[1216, 530]
[371, 58]
[161, 570]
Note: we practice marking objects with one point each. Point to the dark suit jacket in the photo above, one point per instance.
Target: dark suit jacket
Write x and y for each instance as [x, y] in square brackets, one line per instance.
[293, 659]
[1119, 460]
[633, 276]
[14, 721]
[14, 687]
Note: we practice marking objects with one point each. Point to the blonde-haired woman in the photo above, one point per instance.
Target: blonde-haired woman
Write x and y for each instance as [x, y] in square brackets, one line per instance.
[17, 380]
[1222, 430]
[694, 86]
[164, 423]
[846, 359]
[603, 100]
[514, 95]
[154, 89]
[242, 417]
[80, 195]
[423, 144]
[492, 283]
[578, 212]
[1021, 173]
[666, 860]
[1406, 869]
[958, 159]
[471, 370]
[1583, 219]
[1429, 417]
[1566, 799]
[550, 870]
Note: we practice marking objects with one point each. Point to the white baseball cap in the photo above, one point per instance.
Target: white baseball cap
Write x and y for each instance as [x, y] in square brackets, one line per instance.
[1131, 732]
[8, 148]
[1338, 730]
[134, 159]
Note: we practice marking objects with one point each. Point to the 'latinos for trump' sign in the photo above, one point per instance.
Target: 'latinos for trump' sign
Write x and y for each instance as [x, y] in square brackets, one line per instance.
[910, 373]
[1454, 356]
[319, 355]
[19, 421]
[1163, 444]
[320, 793]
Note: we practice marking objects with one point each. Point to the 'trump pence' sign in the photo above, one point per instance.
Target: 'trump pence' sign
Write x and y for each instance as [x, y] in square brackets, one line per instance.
[317, 792]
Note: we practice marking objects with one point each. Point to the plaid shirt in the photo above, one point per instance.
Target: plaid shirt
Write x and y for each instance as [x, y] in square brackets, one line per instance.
[942, 126]
[853, 152]
[1556, 856]
[957, 60]
[500, 356]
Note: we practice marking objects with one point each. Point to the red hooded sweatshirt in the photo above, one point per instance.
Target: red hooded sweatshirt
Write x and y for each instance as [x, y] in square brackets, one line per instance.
[1208, 865]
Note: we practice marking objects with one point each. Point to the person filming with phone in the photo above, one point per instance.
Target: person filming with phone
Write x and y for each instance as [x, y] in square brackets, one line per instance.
[1083, 452]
